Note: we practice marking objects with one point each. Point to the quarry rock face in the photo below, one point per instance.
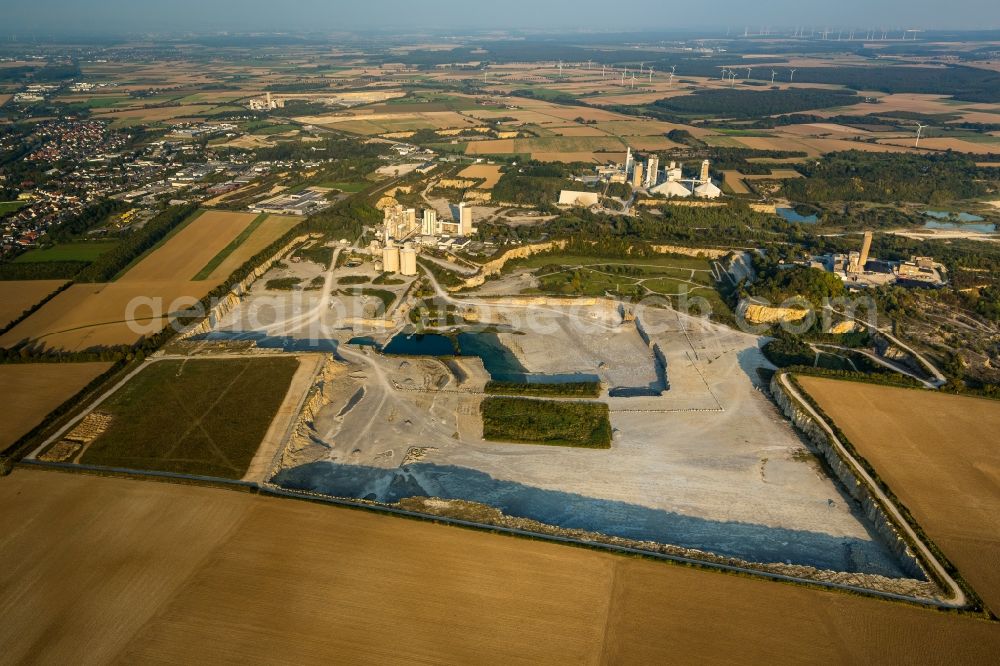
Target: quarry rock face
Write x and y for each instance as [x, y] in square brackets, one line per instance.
[884, 527]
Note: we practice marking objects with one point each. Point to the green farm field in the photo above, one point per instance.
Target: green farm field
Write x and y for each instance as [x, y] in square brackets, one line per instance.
[199, 416]
[579, 275]
[551, 423]
[67, 252]
[11, 206]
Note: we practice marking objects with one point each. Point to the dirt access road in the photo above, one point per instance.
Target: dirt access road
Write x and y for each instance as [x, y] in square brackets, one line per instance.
[956, 597]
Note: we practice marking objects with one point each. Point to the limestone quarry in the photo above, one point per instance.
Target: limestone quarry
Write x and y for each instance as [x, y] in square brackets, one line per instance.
[702, 465]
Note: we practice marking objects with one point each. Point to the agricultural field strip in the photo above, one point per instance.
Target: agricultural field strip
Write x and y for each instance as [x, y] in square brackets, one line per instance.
[29, 392]
[935, 452]
[187, 251]
[18, 296]
[163, 241]
[229, 249]
[958, 598]
[176, 606]
[162, 272]
[121, 383]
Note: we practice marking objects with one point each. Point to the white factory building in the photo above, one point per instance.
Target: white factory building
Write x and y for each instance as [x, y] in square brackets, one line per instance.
[648, 175]
[675, 185]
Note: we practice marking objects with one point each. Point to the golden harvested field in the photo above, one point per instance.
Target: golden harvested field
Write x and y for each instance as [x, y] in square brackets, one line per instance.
[187, 251]
[4, 98]
[813, 147]
[776, 174]
[153, 115]
[99, 570]
[651, 143]
[824, 129]
[273, 228]
[596, 158]
[30, 391]
[494, 147]
[491, 172]
[959, 145]
[626, 128]
[16, 296]
[939, 454]
[914, 102]
[734, 179]
[630, 99]
[92, 315]
[571, 112]
[579, 130]
[382, 123]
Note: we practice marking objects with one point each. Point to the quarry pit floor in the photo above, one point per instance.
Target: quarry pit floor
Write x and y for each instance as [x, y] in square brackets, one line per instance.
[710, 464]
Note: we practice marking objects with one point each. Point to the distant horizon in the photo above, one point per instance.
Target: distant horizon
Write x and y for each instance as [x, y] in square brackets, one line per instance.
[399, 36]
[123, 17]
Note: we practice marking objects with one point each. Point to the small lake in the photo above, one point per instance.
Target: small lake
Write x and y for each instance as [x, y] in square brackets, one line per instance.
[790, 215]
[498, 360]
[963, 218]
[414, 344]
[363, 342]
[984, 228]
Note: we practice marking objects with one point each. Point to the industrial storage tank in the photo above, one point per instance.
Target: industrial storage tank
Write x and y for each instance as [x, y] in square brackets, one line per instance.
[408, 260]
[390, 259]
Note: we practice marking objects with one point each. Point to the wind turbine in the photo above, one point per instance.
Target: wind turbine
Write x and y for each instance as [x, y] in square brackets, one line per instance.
[560, 69]
[732, 79]
[724, 71]
[748, 72]
[604, 71]
[672, 68]
[773, 73]
[920, 128]
[791, 76]
[651, 74]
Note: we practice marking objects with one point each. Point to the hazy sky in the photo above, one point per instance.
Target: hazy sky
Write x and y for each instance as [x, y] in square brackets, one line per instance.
[548, 15]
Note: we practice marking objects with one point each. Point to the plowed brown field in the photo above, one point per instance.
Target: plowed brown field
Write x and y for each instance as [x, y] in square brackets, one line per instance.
[29, 391]
[187, 251]
[939, 454]
[99, 570]
[94, 315]
[18, 295]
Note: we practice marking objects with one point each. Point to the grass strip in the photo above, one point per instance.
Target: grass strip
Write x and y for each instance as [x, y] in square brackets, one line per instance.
[560, 390]
[229, 249]
[547, 422]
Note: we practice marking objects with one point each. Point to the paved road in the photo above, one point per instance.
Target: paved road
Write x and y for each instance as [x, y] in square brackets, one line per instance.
[957, 597]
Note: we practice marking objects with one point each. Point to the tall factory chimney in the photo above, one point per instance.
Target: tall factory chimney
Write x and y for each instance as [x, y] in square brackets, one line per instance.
[866, 248]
